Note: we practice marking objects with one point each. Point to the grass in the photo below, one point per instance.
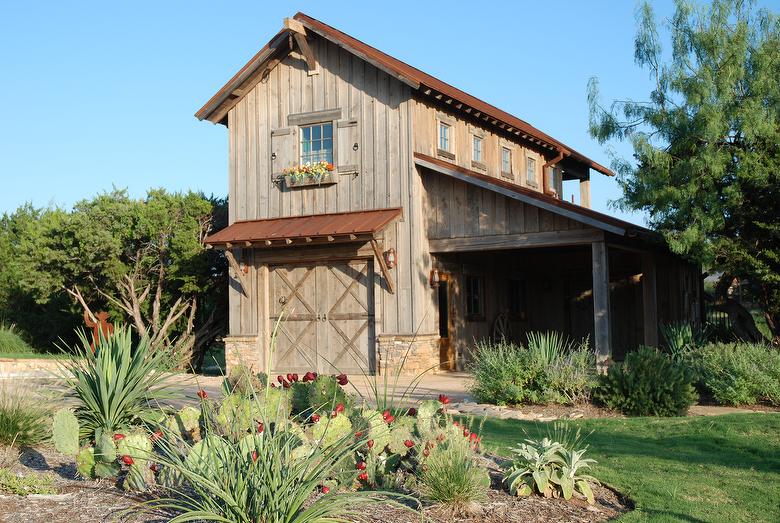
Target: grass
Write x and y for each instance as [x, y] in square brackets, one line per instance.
[24, 485]
[696, 469]
[12, 342]
[23, 423]
[36, 356]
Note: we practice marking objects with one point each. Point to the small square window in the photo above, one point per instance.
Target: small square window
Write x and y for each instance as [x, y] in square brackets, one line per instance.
[476, 150]
[506, 161]
[474, 296]
[531, 170]
[445, 137]
[317, 143]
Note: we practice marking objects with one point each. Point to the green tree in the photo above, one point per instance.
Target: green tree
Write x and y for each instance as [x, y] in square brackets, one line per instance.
[707, 141]
[142, 260]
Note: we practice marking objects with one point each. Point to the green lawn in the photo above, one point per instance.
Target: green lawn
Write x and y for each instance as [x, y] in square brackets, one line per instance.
[35, 355]
[718, 469]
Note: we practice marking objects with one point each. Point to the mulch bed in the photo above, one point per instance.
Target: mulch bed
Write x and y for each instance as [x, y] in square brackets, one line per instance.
[79, 501]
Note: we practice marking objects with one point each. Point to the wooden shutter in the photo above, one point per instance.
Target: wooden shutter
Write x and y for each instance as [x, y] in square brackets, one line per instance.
[283, 150]
[347, 147]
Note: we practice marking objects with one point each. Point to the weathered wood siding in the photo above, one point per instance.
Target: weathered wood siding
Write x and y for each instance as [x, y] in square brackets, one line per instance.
[376, 113]
[426, 136]
[455, 209]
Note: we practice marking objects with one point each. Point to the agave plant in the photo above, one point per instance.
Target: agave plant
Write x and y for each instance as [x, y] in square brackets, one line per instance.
[116, 385]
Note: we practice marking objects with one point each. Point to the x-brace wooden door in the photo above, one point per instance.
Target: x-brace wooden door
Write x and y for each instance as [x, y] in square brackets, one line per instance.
[348, 338]
[327, 313]
[293, 297]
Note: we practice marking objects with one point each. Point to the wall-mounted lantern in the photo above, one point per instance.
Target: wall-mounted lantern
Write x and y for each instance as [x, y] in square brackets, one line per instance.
[244, 268]
[435, 279]
[390, 258]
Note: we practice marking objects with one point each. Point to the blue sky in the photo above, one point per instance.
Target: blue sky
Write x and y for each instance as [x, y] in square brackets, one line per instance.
[102, 94]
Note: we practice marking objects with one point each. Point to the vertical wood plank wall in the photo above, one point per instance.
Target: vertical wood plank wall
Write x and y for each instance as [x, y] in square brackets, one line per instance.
[386, 178]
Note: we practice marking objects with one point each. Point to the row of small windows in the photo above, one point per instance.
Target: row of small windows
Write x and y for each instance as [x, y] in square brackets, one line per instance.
[478, 153]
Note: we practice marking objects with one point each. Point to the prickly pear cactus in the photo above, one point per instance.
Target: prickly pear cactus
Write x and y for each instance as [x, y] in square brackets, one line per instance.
[106, 470]
[250, 443]
[241, 380]
[326, 393]
[105, 448]
[85, 462]
[378, 430]
[184, 425]
[399, 436]
[273, 405]
[65, 432]
[169, 477]
[407, 422]
[138, 479]
[428, 419]
[137, 445]
[235, 415]
[207, 454]
[329, 431]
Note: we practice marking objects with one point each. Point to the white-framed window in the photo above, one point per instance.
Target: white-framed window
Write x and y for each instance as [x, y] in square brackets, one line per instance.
[445, 137]
[316, 143]
[477, 144]
[530, 170]
[506, 161]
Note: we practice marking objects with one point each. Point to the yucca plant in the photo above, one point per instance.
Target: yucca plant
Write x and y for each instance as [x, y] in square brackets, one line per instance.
[116, 385]
[548, 347]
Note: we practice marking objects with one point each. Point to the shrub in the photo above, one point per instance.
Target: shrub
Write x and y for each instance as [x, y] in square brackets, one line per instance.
[550, 468]
[117, 385]
[452, 475]
[22, 422]
[11, 342]
[550, 370]
[738, 373]
[647, 383]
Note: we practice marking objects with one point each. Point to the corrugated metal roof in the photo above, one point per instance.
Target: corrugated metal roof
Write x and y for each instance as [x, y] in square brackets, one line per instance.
[317, 226]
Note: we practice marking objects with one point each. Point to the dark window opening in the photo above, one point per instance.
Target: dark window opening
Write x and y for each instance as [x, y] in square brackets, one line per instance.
[444, 312]
[474, 295]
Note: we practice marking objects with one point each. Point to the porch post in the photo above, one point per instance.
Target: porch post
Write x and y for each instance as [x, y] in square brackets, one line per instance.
[649, 300]
[585, 193]
[601, 321]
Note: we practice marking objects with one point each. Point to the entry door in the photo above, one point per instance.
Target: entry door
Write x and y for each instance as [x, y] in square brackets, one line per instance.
[327, 313]
[447, 357]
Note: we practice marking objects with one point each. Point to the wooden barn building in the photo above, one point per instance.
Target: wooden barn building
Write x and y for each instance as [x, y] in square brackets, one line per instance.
[435, 219]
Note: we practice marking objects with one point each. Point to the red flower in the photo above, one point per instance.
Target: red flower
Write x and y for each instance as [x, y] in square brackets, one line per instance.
[154, 467]
[339, 408]
[127, 460]
[117, 437]
[455, 424]
[440, 438]
[290, 377]
[325, 490]
[156, 435]
[329, 167]
[359, 434]
[285, 384]
[273, 385]
[309, 376]
[260, 427]
[294, 377]
[315, 418]
[443, 399]
[466, 433]
[474, 437]
[412, 412]
[363, 476]
[409, 443]
[361, 465]
[280, 379]
[388, 417]
[370, 443]
[426, 452]
[254, 456]
[342, 379]
[202, 394]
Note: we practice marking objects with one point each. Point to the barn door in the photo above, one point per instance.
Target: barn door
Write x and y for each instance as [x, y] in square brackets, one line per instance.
[327, 316]
[293, 297]
[349, 310]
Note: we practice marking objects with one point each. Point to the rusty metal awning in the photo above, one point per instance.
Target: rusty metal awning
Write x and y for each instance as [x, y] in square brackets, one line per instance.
[303, 230]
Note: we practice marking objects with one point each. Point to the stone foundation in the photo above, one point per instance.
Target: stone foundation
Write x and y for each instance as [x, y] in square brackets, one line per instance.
[243, 350]
[421, 351]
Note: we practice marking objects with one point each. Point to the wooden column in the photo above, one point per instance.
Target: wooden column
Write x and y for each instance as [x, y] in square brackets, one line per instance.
[601, 320]
[649, 300]
[585, 193]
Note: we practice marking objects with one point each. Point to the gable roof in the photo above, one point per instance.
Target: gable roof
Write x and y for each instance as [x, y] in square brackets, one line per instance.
[422, 83]
[572, 211]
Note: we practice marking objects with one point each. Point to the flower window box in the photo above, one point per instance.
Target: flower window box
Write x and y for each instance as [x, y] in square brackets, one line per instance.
[320, 173]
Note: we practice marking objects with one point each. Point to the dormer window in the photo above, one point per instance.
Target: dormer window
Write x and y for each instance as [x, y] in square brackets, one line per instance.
[445, 137]
[316, 143]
